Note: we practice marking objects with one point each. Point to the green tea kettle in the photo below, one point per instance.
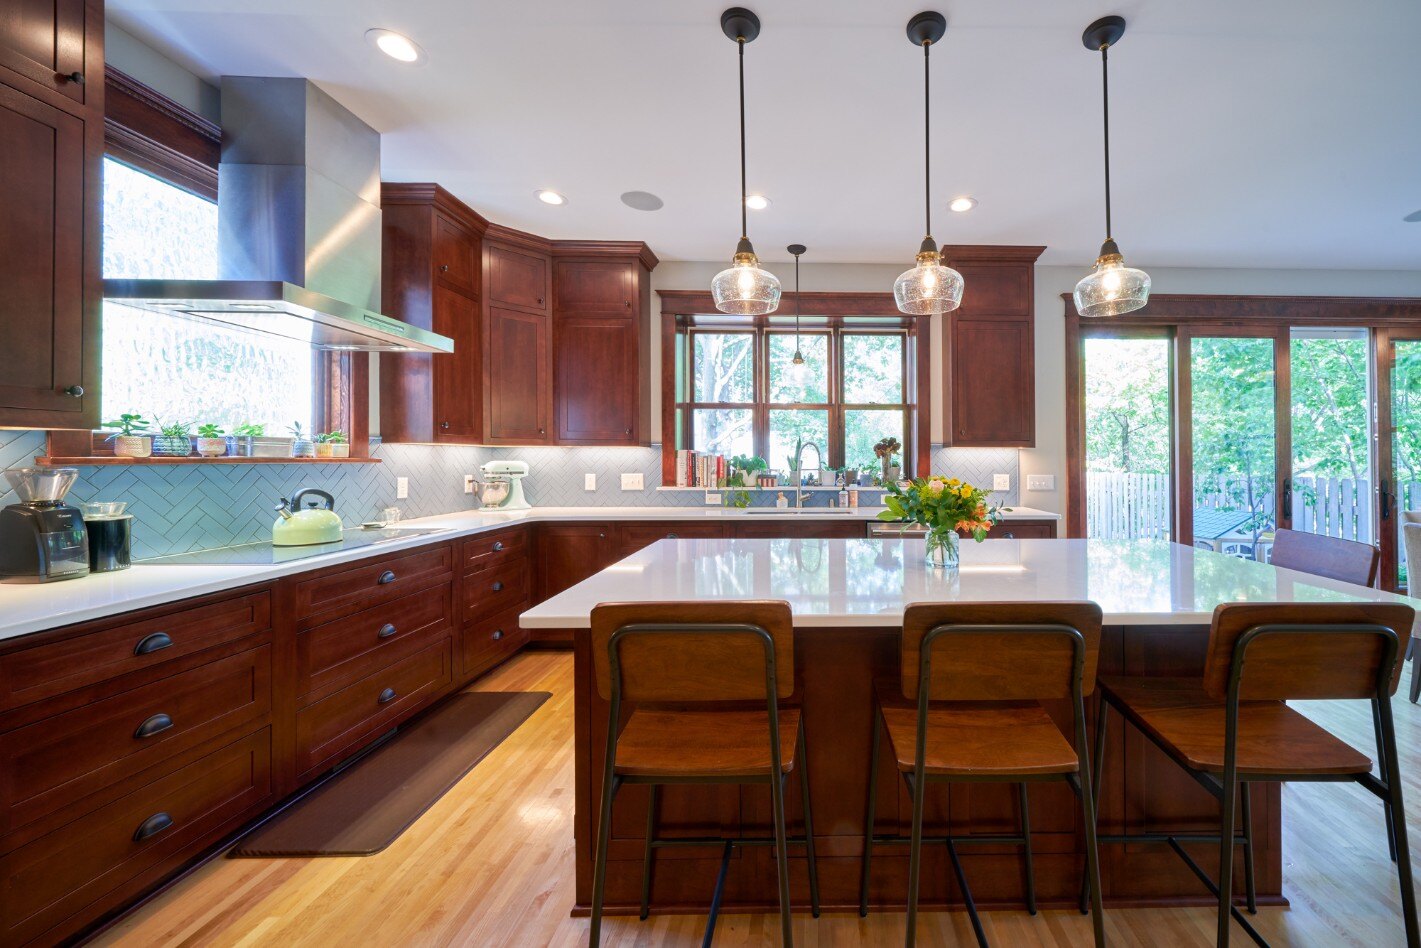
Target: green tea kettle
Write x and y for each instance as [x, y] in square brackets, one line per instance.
[298, 526]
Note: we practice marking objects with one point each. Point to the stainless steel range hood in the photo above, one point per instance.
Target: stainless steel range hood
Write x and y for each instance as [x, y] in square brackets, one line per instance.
[298, 219]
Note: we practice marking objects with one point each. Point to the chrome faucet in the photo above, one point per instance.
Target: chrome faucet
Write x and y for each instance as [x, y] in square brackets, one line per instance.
[799, 445]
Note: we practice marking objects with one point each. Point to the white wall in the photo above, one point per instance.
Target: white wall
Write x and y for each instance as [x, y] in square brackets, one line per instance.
[127, 53]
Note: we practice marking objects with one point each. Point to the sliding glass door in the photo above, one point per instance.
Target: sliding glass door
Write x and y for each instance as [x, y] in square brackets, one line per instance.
[1400, 450]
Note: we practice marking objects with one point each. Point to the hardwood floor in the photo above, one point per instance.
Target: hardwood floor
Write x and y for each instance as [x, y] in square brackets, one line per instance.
[491, 864]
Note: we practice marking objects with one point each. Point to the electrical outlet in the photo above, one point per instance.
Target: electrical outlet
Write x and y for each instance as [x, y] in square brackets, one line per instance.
[712, 500]
[402, 488]
[1001, 482]
[1041, 482]
[468, 483]
[589, 481]
[635, 482]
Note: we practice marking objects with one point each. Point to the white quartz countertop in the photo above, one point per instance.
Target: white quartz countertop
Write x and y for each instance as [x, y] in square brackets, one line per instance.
[869, 582]
[27, 608]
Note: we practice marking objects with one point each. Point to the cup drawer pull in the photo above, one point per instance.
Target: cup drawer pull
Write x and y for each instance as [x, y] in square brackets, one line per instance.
[498, 546]
[386, 630]
[156, 724]
[387, 696]
[153, 643]
[497, 634]
[152, 826]
[498, 586]
[386, 577]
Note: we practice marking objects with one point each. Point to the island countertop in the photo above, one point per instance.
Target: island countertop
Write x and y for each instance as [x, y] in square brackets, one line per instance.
[839, 583]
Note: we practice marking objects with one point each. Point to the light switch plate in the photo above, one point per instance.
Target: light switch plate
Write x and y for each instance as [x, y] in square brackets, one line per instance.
[468, 483]
[402, 488]
[1041, 482]
[633, 482]
[712, 500]
[1001, 482]
[589, 481]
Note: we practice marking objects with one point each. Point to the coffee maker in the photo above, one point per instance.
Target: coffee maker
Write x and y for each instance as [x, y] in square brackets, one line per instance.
[42, 539]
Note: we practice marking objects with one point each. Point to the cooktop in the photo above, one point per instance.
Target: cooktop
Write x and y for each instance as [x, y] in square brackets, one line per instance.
[261, 553]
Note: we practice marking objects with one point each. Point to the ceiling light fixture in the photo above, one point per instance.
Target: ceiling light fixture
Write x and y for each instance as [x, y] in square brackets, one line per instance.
[1111, 288]
[962, 204]
[395, 45]
[744, 289]
[929, 287]
[550, 197]
[798, 370]
[757, 202]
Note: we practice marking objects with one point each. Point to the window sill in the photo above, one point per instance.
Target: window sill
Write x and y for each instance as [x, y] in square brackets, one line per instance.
[106, 459]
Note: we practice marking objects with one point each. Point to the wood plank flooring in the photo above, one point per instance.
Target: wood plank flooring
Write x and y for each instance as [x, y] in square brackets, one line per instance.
[491, 864]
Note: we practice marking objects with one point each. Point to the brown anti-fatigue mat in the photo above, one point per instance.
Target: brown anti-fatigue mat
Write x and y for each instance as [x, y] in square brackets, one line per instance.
[365, 807]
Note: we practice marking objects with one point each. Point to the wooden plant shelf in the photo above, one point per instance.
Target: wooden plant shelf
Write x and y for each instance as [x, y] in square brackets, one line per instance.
[104, 459]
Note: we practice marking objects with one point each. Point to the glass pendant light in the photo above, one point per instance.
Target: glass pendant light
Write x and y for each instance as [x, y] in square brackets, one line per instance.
[1111, 288]
[929, 287]
[798, 368]
[744, 289]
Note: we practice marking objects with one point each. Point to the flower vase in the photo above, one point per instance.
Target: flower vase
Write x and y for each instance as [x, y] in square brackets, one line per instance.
[943, 548]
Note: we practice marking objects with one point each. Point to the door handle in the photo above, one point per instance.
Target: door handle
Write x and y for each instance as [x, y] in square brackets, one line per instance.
[1288, 499]
[152, 826]
[1386, 500]
[386, 577]
[152, 643]
[154, 725]
[386, 630]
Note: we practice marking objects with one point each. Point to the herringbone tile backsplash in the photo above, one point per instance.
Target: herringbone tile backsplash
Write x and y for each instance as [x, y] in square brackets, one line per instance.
[182, 507]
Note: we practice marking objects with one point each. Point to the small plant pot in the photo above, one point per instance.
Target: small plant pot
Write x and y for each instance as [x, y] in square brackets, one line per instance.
[133, 446]
[339, 450]
[270, 447]
[323, 450]
[302, 448]
[172, 447]
[239, 446]
[865, 479]
[211, 447]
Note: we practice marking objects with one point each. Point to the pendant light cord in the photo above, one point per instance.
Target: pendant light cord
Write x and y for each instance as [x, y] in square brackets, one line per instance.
[927, 149]
[796, 304]
[744, 225]
[1105, 98]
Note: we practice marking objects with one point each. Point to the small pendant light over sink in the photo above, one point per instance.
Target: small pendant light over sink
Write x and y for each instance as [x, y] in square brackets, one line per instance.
[1111, 288]
[798, 370]
[744, 289]
[929, 287]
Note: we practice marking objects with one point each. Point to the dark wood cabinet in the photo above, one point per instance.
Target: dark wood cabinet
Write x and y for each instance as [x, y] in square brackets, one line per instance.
[989, 361]
[596, 379]
[568, 553]
[517, 278]
[51, 145]
[595, 287]
[517, 395]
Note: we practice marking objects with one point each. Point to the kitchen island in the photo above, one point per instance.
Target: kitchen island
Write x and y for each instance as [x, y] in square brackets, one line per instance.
[848, 598]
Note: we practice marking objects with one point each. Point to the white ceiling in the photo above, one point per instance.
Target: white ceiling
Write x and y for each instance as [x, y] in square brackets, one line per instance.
[1247, 133]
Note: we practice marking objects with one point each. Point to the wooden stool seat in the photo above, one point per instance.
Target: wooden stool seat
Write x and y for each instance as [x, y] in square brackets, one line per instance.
[975, 739]
[729, 744]
[1272, 737]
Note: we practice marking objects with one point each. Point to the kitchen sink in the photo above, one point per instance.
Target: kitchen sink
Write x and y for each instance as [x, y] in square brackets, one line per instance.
[803, 511]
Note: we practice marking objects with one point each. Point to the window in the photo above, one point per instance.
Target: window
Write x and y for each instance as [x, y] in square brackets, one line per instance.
[743, 394]
[174, 370]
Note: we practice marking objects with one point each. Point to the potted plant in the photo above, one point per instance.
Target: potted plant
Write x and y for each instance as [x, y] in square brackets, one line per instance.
[210, 442]
[301, 445]
[332, 444]
[131, 440]
[239, 442]
[944, 507]
[886, 450]
[173, 440]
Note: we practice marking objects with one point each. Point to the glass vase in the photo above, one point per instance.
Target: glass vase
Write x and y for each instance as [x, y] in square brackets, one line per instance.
[943, 546]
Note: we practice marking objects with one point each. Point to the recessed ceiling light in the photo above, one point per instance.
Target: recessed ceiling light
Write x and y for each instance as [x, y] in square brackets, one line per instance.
[960, 204]
[550, 197]
[395, 45]
[1413, 218]
[757, 202]
[642, 201]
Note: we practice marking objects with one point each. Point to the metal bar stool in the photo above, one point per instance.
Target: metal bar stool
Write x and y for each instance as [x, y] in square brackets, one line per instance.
[978, 672]
[716, 657]
[1233, 727]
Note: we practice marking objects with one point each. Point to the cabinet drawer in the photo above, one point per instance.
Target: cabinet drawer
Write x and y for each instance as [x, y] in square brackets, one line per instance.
[495, 589]
[357, 645]
[484, 551]
[455, 256]
[373, 581]
[155, 827]
[489, 642]
[88, 751]
[344, 720]
[47, 670]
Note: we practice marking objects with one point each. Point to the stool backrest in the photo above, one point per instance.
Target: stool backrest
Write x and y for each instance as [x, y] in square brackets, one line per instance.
[1308, 661]
[685, 651]
[1333, 557]
[999, 664]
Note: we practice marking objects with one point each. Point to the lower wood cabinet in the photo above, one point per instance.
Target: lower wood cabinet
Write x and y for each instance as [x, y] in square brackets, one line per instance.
[568, 553]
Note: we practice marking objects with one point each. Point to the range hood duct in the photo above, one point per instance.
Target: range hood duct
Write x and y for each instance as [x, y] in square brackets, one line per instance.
[298, 220]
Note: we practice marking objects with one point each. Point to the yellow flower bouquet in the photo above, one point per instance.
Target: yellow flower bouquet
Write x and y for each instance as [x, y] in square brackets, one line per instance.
[945, 506]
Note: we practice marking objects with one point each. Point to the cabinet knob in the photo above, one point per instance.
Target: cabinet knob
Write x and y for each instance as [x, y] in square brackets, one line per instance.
[75, 391]
[540, 301]
[541, 431]
[672, 536]
[444, 424]
[386, 577]
[156, 724]
[444, 268]
[152, 643]
[152, 826]
[386, 696]
[629, 431]
[498, 546]
[601, 536]
[75, 77]
[497, 587]
[497, 634]
[629, 304]
[386, 630]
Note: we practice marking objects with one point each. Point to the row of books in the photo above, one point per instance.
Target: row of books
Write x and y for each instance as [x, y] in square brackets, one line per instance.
[697, 469]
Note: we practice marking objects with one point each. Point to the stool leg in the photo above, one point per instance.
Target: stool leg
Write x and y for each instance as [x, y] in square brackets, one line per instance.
[1403, 852]
[777, 795]
[808, 823]
[1387, 813]
[1246, 814]
[1087, 789]
[1226, 853]
[1097, 764]
[1026, 835]
[604, 830]
[646, 857]
[915, 855]
[868, 818]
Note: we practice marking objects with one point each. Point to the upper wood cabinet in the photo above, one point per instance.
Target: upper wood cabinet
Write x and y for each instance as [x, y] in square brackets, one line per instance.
[430, 276]
[51, 146]
[517, 394]
[989, 362]
[595, 287]
[517, 279]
